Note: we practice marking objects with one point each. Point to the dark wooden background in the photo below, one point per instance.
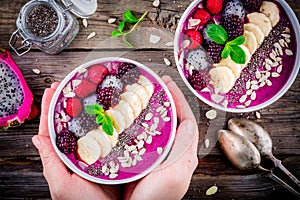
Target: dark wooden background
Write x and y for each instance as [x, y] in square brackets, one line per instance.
[20, 165]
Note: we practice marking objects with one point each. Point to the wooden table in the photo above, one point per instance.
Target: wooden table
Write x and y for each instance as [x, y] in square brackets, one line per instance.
[21, 173]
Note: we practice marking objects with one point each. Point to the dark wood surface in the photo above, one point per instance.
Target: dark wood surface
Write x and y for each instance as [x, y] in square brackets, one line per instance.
[20, 166]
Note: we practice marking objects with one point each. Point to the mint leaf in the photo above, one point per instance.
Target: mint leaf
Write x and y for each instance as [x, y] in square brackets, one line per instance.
[237, 41]
[226, 52]
[129, 18]
[121, 26]
[107, 125]
[217, 33]
[94, 109]
[116, 33]
[99, 119]
[237, 54]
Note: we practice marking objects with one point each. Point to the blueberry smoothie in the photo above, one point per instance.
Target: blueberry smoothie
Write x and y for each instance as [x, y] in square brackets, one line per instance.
[114, 120]
[236, 54]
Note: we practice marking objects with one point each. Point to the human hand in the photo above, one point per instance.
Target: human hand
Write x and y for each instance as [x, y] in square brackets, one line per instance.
[172, 178]
[63, 184]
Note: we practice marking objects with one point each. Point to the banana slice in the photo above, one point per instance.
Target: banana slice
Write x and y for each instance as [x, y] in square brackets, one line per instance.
[250, 41]
[88, 150]
[223, 79]
[118, 120]
[248, 55]
[134, 101]
[271, 10]
[141, 92]
[259, 35]
[262, 21]
[127, 111]
[235, 68]
[113, 138]
[146, 84]
[102, 140]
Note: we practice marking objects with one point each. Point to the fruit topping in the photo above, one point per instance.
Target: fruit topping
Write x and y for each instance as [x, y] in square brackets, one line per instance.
[88, 150]
[128, 73]
[118, 119]
[252, 5]
[195, 38]
[108, 97]
[16, 99]
[214, 51]
[203, 15]
[73, 107]
[199, 79]
[222, 78]
[250, 41]
[271, 10]
[262, 21]
[259, 35]
[85, 88]
[96, 73]
[234, 26]
[214, 6]
[66, 141]
[199, 59]
[82, 124]
[112, 81]
[234, 7]
[92, 99]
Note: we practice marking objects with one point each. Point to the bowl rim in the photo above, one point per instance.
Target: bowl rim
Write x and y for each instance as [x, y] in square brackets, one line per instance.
[280, 93]
[83, 174]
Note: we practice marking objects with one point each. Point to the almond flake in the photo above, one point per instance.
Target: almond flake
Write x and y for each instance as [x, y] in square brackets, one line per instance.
[288, 52]
[254, 87]
[243, 99]
[281, 42]
[185, 44]
[262, 84]
[268, 67]
[211, 114]
[248, 103]
[279, 69]
[142, 151]
[277, 45]
[268, 82]
[194, 22]
[111, 20]
[275, 74]
[91, 35]
[257, 75]
[156, 3]
[167, 61]
[205, 89]
[248, 84]
[212, 190]
[217, 98]
[248, 92]
[159, 150]
[159, 109]
[36, 71]
[134, 162]
[154, 39]
[84, 23]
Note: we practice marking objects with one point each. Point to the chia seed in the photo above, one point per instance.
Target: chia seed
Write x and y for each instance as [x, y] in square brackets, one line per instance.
[42, 21]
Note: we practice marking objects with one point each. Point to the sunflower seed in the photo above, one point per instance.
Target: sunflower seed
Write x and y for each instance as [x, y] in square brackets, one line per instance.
[257, 114]
[206, 143]
[254, 82]
[138, 157]
[286, 35]
[153, 127]
[273, 56]
[287, 30]
[159, 109]
[288, 52]
[194, 22]
[257, 75]
[36, 71]
[111, 164]
[281, 42]
[159, 150]
[217, 98]
[167, 104]
[268, 74]
[140, 144]
[248, 92]
[211, 114]
[287, 40]
[248, 84]
[126, 154]
[212, 190]
[169, 44]
[134, 162]
[268, 67]
[91, 35]
[248, 103]
[104, 169]
[148, 116]
[111, 20]
[254, 87]
[84, 23]
[279, 69]
[253, 96]
[142, 151]
[112, 176]
[268, 61]
[124, 164]
[167, 61]
[275, 74]
[277, 45]
[240, 106]
[243, 99]
[164, 114]
[278, 59]
[145, 125]
[149, 139]
[268, 82]
[275, 64]
[280, 52]
[262, 84]
[166, 119]
[156, 3]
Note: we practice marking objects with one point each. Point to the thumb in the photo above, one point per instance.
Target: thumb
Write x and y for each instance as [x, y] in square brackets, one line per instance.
[54, 169]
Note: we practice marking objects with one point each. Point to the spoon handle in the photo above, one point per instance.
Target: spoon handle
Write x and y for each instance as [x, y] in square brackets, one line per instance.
[278, 164]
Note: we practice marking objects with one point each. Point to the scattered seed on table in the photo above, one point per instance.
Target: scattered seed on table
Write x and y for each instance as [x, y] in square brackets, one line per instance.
[111, 20]
[167, 61]
[84, 23]
[212, 190]
[211, 114]
[91, 35]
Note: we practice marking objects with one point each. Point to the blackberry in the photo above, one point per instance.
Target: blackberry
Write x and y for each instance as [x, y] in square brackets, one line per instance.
[88, 122]
[199, 79]
[214, 50]
[128, 73]
[66, 142]
[108, 96]
[234, 26]
[252, 5]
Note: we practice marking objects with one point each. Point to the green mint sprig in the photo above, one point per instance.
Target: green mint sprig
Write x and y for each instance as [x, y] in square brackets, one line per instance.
[219, 35]
[128, 18]
[101, 117]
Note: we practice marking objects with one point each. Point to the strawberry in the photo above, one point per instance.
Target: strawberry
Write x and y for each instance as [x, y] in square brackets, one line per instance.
[85, 88]
[73, 107]
[203, 15]
[214, 6]
[195, 38]
[96, 73]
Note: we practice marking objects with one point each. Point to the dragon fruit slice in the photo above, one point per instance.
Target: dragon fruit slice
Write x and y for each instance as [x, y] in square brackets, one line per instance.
[16, 99]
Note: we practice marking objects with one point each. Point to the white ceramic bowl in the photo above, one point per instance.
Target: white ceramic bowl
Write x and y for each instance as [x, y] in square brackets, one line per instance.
[147, 163]
[286, 83]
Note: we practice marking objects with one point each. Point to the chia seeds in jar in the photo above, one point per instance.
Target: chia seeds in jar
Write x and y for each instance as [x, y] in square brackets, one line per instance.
[49, 26]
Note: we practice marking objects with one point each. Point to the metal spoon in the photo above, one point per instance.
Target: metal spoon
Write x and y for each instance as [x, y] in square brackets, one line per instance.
[261, 139]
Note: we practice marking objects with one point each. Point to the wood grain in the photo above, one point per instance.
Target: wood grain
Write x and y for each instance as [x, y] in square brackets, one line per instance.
[21, 173]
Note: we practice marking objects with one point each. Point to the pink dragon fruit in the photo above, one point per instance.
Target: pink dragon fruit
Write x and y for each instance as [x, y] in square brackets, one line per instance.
[16, 99]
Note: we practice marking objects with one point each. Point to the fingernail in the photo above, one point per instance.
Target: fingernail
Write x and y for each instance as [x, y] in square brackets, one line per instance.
[190, 127]
[37, 142]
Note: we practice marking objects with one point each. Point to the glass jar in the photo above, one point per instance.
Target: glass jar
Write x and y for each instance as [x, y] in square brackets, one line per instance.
[48, 25]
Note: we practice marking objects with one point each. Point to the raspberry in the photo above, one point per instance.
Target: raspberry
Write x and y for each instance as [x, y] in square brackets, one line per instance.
[214, 50]
[128, 73]
[234, 7]
[85, 88]
[195, 39]
[252, 5]
[108, 97]
[203, 15]
[112, 81]
[96, 73]
[199, 79]
[214, 6]
[234, 26]
[66, 141]
[73, 107]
